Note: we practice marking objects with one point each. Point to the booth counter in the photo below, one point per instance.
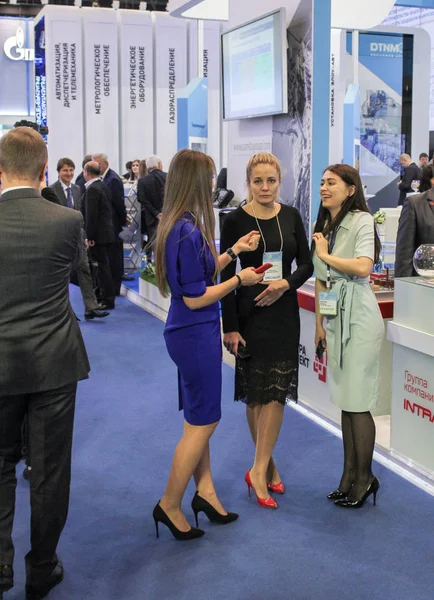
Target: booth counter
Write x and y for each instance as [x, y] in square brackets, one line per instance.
[412, 335]
[313, 389]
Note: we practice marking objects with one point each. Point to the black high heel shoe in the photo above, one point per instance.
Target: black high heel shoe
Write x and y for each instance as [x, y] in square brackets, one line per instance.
[198, 504]
[338, 495]
[161, 517]
[373, 488]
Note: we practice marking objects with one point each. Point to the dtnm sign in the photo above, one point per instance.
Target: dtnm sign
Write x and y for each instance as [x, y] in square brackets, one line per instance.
[14, 47]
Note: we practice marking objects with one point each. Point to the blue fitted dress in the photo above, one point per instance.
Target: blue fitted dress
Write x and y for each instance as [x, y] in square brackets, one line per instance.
[193, 337]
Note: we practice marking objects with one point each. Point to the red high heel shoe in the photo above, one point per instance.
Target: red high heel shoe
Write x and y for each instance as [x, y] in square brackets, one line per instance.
[264, 502]
[277, 488]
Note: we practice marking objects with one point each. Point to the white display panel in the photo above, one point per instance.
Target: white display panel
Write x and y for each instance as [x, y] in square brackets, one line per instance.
[255, 68]
[136, 57]
[211, 70]
[170, 76]
[412, 334]
[101, 83]
[60, 35]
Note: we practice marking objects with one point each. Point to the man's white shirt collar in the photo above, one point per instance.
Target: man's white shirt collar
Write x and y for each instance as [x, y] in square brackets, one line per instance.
[105, 173]
[65, 187]
[18, 187]
[89, 183]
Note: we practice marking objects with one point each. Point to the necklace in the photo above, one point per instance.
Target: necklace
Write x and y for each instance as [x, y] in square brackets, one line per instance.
[260, 230]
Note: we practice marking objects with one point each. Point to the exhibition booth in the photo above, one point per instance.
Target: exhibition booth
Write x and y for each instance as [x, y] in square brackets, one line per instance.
[314, 82]
[404, 415]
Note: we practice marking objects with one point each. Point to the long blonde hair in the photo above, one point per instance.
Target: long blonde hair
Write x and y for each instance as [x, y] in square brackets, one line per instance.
[188, 189]
[262, 158]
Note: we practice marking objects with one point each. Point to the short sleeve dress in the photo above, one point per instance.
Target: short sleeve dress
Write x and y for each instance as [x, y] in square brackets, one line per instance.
[355, 335]
[193, 337]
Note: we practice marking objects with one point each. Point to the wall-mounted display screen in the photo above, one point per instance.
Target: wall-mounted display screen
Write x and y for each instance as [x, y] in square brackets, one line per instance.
[255, 68]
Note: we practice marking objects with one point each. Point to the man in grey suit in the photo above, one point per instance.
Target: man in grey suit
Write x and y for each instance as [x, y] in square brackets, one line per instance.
[42, 355]
[70, 196]
[416, 227]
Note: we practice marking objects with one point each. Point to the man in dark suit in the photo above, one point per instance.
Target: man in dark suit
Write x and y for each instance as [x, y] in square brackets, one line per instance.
[150, 194]
[42, 355]
[119, 216]
[99, 230]
[80, 181]
[70, 196]
[411, 173]
[416, 227]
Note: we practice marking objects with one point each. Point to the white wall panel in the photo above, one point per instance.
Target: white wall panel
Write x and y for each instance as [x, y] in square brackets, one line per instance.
[170, 76]
[136, 85]
[101, 83]
[64, 81]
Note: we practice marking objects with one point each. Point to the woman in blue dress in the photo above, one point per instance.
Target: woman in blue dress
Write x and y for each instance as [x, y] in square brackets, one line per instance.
[187, 264]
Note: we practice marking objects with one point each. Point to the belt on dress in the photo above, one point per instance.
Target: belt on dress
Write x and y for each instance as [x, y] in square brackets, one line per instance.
[344, 289]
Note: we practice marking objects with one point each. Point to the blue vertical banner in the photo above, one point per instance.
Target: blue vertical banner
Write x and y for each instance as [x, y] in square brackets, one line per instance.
[193, 115]
[321, 98]
[40, 75]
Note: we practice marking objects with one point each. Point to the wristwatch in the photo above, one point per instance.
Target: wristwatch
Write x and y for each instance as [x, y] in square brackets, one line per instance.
[231, 253]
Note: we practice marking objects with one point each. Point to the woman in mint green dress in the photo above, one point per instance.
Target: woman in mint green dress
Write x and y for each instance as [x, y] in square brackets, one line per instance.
[346, 247]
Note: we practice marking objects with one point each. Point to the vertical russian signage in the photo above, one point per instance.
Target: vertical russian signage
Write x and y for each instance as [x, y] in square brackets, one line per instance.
[170, 76]
[59, 82]
[101, 83]
[137, 85]
[211, 70]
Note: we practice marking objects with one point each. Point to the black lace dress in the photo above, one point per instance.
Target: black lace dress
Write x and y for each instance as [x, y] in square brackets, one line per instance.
[272, 333]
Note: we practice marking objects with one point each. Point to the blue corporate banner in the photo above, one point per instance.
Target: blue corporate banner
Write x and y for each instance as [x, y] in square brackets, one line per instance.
[193, 115]
[40, 74]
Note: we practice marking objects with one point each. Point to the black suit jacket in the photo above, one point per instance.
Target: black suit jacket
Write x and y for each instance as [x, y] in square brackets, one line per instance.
[411, 173]
[76, 194]
[81, 182]
[416, 227]
[49, 194]
[150, 194]
[41, 347]
[117, 197]
[97, 214]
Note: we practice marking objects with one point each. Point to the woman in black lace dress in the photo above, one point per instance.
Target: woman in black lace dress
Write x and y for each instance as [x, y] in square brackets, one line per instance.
[264, 319]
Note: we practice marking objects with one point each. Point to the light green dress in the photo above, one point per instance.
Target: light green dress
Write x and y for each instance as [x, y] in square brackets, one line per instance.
[355, 336]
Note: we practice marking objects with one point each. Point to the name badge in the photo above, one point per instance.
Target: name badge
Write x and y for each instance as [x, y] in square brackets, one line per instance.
[274, 273]
[328, 304]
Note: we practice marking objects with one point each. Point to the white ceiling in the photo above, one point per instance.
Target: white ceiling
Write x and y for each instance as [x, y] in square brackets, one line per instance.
[346, 14]
[200, 9]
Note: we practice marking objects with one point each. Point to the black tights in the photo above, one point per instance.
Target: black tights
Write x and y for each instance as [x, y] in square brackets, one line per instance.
[358, 435]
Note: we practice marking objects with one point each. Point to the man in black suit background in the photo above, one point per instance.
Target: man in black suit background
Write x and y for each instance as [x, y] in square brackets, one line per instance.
[80, 181]
[119, 217]
[42, 355]
[416, 227]
[150, 194]
[98, 224]
[70, 196]
[411, 173]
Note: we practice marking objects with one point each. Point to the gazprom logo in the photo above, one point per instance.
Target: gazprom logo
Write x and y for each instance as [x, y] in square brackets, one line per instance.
[380, 47]
[14, 47]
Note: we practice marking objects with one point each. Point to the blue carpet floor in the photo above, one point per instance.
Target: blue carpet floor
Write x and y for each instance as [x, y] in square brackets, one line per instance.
[127, 426]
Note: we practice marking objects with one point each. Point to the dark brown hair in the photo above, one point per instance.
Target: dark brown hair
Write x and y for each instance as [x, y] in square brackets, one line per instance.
[143, 169]
[356, 202]
[62, 162]
[188, 189]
